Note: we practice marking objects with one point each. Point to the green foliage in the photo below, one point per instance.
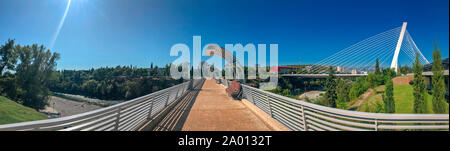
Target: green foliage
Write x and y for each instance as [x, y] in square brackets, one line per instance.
[438, 100]
[113, 83]
[8, 56]
[285, 92]
[286, 84]
[377, 67]
[34, 76]
[277, 90]
[405, 70]
[34, 73]
[379, 107]
[9, 87]
[330, 86]
[380, 78]
[28, 85]
[343, 96]
[388, 97]
[362, 84]
[404, 100]
[387, 75]
[372, 80]
[358, 87]
[420, 105]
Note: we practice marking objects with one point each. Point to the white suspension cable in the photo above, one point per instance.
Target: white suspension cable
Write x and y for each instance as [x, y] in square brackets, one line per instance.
[361, 43]
[367, 45]
[418, 50]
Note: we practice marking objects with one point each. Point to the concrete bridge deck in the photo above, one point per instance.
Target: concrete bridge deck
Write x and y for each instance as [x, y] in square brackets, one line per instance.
[210, 109]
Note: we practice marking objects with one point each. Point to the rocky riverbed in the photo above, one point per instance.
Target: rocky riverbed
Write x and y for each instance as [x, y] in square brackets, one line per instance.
[67, 107]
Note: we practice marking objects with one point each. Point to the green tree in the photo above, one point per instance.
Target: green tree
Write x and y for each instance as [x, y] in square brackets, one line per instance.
[405, 70]
[9, 87]
[286, 92]
[167, 70]
[387, 74]
[155, 71]
[439, 105]
[372, 80]
[358, 87]
[330, 86]
[343, 96]
[34, 73]
[420, 105]
[8, 56]
[377, 67]
[110, 83]
[388, 97]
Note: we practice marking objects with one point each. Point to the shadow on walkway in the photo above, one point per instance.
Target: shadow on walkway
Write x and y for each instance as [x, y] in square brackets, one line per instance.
[176, 118]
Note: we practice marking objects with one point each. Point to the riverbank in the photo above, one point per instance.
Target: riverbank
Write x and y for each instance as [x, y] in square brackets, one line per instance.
[66, 107]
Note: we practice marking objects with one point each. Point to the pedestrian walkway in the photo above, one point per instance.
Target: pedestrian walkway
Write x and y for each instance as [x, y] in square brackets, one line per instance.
[213, 110]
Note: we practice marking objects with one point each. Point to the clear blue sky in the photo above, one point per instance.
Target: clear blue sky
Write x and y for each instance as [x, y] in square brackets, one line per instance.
[136, 32]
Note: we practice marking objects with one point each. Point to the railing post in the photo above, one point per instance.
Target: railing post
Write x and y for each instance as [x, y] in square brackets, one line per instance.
[305, 124]
[118, 119]
[254, 102]
[376, 125]
[149, 117]
[178, 91]
[168, 97]
[268, 103]
[244, 93]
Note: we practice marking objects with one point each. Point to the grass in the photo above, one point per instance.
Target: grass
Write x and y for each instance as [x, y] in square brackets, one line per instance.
[404, 100]
[12, 112]
[370, 104]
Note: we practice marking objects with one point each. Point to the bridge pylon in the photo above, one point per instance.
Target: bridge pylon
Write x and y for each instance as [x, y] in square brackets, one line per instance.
[394, 63]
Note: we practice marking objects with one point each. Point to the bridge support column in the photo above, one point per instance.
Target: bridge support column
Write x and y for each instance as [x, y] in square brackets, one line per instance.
[394, 63]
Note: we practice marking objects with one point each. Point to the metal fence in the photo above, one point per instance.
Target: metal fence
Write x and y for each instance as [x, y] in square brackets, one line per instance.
[304, 116]
[124, 116]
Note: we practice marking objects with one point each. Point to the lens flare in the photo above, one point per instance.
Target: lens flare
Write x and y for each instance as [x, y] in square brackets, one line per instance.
[61, 23]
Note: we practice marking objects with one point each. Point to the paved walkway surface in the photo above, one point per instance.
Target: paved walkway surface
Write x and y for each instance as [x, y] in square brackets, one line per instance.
[213, 110]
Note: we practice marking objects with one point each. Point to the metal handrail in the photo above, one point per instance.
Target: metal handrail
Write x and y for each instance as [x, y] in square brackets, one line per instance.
[124, 116]
[305, 116]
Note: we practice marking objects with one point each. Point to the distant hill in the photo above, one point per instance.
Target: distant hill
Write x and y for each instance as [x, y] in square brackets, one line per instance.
[12, 112]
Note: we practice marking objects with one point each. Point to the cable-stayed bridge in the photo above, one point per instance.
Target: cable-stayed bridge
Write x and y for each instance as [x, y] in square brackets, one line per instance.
[390, 47]
[203, 105]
